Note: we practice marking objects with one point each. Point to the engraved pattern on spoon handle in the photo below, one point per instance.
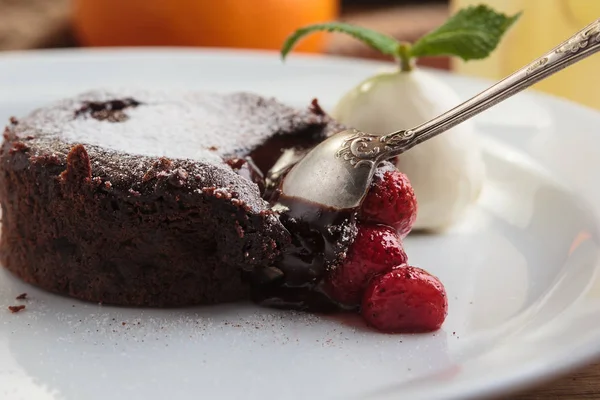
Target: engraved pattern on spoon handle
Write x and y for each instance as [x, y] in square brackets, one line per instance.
[364, 148]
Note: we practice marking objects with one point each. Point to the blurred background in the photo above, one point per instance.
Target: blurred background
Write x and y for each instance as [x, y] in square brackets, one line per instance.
[264, 24]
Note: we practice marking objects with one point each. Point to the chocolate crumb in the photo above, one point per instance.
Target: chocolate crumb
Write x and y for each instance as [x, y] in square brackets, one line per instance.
[264, 213]
[18, 147]
[51, 159]
[22, 296]
[16, 309]
[236, 163]
[163, 163]
[158, 169]
[239, 229]
[315, 107]
[13, 120]
[213, 148]
[149, 175]
[178, 178]
[79, 167]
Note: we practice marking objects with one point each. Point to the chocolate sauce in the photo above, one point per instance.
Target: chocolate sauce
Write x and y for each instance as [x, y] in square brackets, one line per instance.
[320, 238]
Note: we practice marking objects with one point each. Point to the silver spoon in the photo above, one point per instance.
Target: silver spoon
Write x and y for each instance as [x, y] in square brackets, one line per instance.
[337, 172]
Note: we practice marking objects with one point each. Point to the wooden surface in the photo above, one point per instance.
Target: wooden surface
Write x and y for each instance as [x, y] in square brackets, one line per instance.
[30, 24]
[582, 385]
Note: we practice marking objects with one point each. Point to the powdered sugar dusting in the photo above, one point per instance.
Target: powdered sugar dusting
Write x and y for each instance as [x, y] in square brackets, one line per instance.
[181, 125]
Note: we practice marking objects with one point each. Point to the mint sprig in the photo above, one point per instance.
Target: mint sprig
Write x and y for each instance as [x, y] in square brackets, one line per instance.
[471, 34]
[379, 41]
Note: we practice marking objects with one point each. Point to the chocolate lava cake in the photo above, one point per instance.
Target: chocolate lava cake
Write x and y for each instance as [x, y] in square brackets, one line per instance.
[149, 198]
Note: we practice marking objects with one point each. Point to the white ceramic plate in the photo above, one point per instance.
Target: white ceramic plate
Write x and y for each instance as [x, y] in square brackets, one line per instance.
[521, 270]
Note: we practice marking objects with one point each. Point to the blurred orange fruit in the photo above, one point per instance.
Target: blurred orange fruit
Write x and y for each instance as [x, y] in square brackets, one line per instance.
[257, 24]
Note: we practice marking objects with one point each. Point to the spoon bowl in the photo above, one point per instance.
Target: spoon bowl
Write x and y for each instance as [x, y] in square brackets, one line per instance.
[326, 176]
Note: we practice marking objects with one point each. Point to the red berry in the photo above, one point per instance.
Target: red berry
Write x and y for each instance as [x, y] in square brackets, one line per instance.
[391, 200]
[376, 250]
[406, 299]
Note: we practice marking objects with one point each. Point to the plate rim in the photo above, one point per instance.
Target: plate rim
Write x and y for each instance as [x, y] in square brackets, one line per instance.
[527, 375]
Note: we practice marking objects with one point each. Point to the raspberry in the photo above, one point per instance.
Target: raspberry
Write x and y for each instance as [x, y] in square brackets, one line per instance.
[391, 200]
[376, 250]
[406, 299]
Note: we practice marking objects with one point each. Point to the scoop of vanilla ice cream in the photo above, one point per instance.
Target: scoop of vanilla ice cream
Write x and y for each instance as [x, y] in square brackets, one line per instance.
[447, 171]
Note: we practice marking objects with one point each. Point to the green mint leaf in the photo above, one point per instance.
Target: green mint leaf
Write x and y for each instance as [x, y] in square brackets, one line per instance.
[379, 41]
[471, 34]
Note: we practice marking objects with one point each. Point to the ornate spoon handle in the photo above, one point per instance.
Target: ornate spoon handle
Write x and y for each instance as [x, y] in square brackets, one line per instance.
[368, 149]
